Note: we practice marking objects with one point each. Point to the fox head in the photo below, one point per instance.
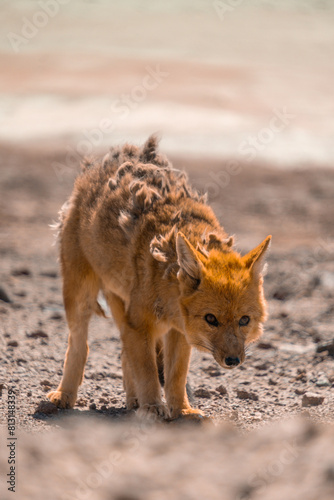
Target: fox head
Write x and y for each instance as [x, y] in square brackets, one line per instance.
[221, 299]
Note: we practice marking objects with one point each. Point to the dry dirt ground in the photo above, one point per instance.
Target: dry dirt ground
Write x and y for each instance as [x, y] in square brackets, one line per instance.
[247, 454]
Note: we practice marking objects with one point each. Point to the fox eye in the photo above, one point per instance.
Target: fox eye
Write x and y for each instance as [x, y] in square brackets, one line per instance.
[211, 319]
[244, 320]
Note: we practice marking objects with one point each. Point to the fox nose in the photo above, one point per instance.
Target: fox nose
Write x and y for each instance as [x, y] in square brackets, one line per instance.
[230, 361]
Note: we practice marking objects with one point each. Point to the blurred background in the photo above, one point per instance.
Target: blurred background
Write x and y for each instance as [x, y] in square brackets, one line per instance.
[207, 75]
[241, 94]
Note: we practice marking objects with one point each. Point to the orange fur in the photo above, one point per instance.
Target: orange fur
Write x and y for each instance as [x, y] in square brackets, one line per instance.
[135, 229]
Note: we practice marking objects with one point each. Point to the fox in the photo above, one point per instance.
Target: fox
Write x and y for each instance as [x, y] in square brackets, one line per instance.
[135, 230]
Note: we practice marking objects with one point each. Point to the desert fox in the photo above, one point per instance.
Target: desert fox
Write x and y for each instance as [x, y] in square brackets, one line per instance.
[135, 229]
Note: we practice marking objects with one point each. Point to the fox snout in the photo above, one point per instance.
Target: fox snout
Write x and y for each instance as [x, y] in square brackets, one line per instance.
[230, 356]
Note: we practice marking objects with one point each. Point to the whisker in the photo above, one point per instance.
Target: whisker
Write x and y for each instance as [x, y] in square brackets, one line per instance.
[202, 345]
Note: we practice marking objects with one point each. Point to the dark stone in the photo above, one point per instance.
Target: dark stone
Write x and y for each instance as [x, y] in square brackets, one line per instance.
[37, 334]
[46, 408]
[3, 296]
[242, 394]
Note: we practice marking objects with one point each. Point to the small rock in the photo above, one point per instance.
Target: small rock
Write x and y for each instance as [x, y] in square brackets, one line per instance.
[12, 343]
[234, 415]
[45, 382]
[19, 361]
[202, 393]
[262, 366]
[265, 345]
[37, 334]
[81, 402]
[326, 346]
[1, 389]
[103, 408]
[47, 408]
[29, 394]
[92, 406]
[299, 392]
[272, 381]
[103, 400]
[22, 271]
[322, 380]
[312, 399]
[281, 293]
[3, 295]
[56, 316]
[242, 394]
[212, 371]
[222, 390]
[301, 376]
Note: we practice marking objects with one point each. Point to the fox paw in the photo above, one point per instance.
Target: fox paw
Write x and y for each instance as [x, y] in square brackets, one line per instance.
[190, 414]
[132, 404]
[61, 399]
[153, 411]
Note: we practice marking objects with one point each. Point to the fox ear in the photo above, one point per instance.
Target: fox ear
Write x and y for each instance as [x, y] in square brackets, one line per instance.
[190, 265]
[255, 259]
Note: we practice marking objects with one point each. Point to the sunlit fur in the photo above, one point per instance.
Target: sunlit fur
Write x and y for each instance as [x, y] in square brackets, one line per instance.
[134, 229]
[228, 290]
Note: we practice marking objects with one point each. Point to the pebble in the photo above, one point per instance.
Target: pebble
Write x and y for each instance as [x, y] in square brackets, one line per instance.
[312, 399]
[242, 394]
[37, 334]
[322, 381]
[202, 393]
[57, 316]
[21, 271]
[103, 400]
[45, 382]
[12, 343]
[81, 402]
[212, 371]
[47, 408]
[262, 366]
[281, 293]
[92, 406]
[222, 390]
[265, 345]
[3, 296]
[326, 347]
[299, 392]
[272, 381]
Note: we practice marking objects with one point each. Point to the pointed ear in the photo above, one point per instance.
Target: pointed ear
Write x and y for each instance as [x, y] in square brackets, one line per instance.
[190, 265]
[255, 259]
